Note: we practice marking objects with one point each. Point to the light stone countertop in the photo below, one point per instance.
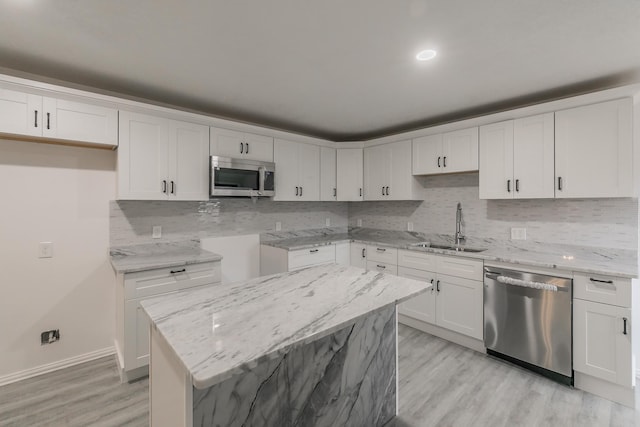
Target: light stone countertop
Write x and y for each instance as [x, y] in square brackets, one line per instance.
[223, 330]
[605, 261]
[129, 259]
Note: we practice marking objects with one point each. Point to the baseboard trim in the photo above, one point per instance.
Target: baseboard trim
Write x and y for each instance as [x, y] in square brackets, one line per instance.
[50, 367]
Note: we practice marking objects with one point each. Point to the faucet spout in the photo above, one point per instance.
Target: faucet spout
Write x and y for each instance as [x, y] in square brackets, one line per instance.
[459, 236]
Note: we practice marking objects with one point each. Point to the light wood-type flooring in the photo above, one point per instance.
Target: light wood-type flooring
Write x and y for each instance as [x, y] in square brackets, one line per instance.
[441, 384]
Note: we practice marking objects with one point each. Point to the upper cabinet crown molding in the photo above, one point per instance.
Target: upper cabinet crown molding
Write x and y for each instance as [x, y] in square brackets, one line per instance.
[450, 152]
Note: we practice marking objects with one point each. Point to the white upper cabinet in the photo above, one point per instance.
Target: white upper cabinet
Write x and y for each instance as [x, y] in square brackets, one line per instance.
[33, 115]
[516, 158]
[328, 188]
[387, 172]
[349, 177]
[240, 145]
[594, 150]
[162, 159]
[297, 171]
[449, 152]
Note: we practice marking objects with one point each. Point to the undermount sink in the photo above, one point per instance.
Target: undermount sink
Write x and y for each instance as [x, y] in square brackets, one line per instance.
[447, 247]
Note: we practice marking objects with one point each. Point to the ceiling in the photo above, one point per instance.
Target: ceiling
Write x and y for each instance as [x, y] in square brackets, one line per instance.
[341, 70]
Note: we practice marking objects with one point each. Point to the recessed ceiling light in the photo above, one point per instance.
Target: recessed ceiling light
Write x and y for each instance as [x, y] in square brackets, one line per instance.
[426, 55]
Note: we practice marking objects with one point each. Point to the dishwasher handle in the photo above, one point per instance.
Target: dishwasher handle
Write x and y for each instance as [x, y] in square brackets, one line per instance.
[529, 284]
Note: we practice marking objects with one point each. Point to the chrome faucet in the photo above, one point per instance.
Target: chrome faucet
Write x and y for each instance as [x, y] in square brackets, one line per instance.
[459, 236]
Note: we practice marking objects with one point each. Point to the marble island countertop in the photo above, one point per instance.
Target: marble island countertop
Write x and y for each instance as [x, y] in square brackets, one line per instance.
[223, 330]
[129, 259]
[606, 261]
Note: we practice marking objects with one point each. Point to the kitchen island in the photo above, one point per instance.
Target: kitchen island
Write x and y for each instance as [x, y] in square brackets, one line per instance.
[316, 346]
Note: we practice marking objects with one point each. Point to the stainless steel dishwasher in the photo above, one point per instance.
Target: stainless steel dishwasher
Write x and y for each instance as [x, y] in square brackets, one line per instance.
[527, 321]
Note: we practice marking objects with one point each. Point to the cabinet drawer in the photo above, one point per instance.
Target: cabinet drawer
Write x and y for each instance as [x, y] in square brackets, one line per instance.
[460, 267]
[418, 260]
[159, 281]
[382, 267]
[605, 289]
[382, 254]
[313, 256]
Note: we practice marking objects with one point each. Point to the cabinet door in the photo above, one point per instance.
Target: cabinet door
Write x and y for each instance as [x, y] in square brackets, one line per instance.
[460, 151]
[496, 161]
[327, 174]
[136, 336]
[533, 157]
[349, 165]
[20, 113]
[77, 121]
[422, 307]
[286, 160]
[427, 155]
[402, 184]
[309, 172]
[358, 255]
[226, 143]
[459, 305]
[258, 147]
[188, 161]
[376, 172]
[142, 157]
[600, 346]
[593, 147]
[382, 267]
[343, 253]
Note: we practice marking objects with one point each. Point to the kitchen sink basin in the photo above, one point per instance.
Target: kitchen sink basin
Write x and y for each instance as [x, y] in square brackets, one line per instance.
[447, 247]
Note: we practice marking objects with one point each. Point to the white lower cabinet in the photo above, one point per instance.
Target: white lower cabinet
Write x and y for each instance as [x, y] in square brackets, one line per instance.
[382, 267]
[455, 301]
[343, 253]
[358, 255]
[132, 325]
[278, 260]
[602, 341]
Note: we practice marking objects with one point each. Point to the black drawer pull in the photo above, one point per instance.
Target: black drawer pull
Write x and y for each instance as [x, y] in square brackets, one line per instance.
[381, 249]
[313, 251]
[624, 330]
[178, 271]
[381, 266]
[610, 282]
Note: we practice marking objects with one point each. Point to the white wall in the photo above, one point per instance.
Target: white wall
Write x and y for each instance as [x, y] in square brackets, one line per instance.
[58, 194]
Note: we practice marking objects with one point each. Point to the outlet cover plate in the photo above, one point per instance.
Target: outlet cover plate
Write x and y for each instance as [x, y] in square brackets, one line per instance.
[278, 226]
[409, 226]
[359, 222]
[45, 250]
[327, 222]
[157, 232]
[518, 233]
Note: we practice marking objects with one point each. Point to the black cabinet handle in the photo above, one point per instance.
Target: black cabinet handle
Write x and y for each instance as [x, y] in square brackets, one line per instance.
[381, 266]
[508, 186]
[432, 286]
[444, 162]
[35, 119]
[387, 191]
[438, 286]
[313, 251]
[164, 186]
[178, 271]
[517, 185]
[624, 322]
[383, 191]
[48, 117]
[363, 253]
[300, 191]
[560, 183]
[241, 147]
[610, 282]
[381, 249]
[247, 148]
[173, 187]
[361, 192]
[297, 191]
[438, 161]
[335, 192]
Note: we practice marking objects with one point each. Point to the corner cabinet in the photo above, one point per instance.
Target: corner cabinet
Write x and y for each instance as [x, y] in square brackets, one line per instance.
[594, 150]
[449, 152]
[26, 114]
[349, 174]
[516, 158]
[162, 159]
[297, 171]
[240, 145]
[387, 172]
[132, 325]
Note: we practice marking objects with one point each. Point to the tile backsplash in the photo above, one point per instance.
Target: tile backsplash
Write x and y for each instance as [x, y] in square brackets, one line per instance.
[132, 221]
[589, 222]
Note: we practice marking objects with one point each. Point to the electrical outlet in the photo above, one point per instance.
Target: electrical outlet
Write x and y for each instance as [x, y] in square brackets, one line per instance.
[157, 232]
[359, 222]
[278, 226]
[327, 222]
[409, 226]
[48, 337]
[518, 233]
[45, 250]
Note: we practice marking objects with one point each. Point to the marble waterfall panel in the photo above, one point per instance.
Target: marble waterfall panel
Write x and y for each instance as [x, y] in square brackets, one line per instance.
[347, 378]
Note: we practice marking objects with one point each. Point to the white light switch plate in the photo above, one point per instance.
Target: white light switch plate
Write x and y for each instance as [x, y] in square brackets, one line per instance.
[157, 232]
[518, 233]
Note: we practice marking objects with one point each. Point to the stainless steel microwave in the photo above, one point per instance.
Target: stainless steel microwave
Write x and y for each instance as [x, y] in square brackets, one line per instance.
[243, 178]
